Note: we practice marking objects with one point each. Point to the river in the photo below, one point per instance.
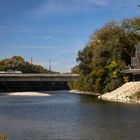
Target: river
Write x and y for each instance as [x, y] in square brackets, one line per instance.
[66, 116]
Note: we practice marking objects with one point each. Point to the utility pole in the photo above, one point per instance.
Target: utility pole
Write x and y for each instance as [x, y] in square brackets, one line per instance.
[31, 61]
[49, 65]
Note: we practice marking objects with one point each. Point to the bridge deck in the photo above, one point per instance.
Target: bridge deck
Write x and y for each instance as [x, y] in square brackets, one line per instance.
[37, 77]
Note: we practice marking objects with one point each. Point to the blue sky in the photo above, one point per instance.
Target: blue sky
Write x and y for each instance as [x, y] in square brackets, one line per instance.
[55, 29]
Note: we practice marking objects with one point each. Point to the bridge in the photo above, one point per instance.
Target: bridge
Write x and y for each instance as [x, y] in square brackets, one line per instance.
[34, 82]
[38, 77]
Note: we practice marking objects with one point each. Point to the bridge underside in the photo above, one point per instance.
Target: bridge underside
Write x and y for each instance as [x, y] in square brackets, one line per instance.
[35, 82]
[32, 85]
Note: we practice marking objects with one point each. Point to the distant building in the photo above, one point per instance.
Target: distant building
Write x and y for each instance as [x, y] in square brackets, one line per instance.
[135, 64]
[135, 57]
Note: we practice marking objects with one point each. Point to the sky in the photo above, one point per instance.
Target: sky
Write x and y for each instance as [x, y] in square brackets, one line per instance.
[56, 30]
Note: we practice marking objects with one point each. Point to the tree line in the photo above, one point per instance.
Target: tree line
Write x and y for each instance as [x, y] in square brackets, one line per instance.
[17, 63]
[107, 53]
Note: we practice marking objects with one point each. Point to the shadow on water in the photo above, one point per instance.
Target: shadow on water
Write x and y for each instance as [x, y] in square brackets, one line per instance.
[90, 99]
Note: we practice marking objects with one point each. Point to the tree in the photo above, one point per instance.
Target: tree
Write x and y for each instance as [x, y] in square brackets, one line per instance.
[17, 63]
[108, 52]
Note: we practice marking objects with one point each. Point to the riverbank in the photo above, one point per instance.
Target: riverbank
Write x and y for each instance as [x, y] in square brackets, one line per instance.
[24, 93]
[127, 93]
[83, 92]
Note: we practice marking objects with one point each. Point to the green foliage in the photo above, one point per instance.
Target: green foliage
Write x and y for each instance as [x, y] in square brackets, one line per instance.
[75, 69]
[108, 52]
[17, 63]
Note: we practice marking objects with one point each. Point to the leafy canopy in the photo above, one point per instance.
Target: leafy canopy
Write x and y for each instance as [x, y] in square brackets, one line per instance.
[107, 53]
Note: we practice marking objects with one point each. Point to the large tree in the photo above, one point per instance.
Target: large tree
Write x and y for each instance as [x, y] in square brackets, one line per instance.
[108, 52]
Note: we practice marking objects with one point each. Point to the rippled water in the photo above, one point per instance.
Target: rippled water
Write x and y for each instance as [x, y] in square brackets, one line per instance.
[64, 116]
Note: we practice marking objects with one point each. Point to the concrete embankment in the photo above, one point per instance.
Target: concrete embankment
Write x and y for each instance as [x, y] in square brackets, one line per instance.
[127, 93]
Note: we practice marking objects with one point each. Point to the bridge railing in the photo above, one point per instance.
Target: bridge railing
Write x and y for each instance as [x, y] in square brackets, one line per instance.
[36, 74]
[38, 77]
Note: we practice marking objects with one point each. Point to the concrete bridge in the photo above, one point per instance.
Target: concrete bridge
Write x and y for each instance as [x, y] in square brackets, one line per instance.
[38, 77]
[34, 82]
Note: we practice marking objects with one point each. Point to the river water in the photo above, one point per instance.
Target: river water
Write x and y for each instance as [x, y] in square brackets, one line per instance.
[66, 116]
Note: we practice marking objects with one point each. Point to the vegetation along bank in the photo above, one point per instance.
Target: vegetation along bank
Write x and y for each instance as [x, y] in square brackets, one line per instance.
[107, 53]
